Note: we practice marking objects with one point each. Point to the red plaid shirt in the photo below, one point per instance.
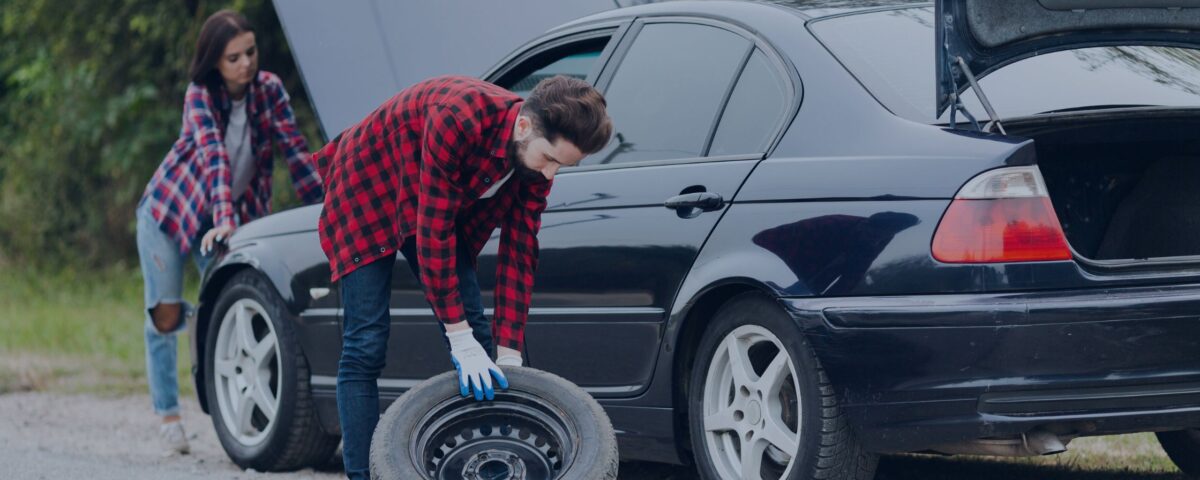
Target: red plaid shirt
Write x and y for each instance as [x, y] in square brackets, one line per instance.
[417, 165]
[195, 177]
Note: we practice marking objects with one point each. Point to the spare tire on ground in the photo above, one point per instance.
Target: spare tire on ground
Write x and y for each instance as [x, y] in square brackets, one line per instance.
[542, 427]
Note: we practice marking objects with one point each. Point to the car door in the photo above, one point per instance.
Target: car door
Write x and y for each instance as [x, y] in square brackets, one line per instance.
[612, 254]
[416, 349]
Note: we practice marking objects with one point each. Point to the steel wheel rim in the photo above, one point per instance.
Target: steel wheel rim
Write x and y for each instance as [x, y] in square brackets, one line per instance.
[751, 405]
[515, 437]
[246, 372]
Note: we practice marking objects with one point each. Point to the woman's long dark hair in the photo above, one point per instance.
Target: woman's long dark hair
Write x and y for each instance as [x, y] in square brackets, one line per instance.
[216, 33]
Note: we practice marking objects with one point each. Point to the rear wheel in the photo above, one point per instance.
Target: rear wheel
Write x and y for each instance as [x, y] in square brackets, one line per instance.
[257, 382]
[761, 407]
[1183, 447]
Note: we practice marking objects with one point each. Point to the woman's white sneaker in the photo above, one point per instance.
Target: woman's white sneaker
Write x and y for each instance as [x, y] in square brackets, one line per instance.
[174, 439]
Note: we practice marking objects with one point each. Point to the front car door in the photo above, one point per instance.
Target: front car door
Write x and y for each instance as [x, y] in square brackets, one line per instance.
[695, 105]
[416, 349]
[612, 254]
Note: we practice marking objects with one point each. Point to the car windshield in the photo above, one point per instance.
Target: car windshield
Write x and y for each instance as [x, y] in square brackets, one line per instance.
[891, 53]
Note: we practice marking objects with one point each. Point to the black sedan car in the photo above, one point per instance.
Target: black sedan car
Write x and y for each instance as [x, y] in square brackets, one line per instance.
[822, 231]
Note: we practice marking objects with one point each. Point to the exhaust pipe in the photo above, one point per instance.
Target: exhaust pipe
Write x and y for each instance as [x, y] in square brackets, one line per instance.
[1040, 442]
[1035, 443]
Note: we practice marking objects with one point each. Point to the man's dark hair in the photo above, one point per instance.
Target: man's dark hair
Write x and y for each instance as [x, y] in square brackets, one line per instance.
[566, 107]
[215, 35]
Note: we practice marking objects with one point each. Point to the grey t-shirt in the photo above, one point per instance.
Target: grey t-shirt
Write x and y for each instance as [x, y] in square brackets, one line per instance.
[237, 146]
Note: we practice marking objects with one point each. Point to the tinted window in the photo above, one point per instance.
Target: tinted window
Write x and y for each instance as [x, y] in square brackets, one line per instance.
[664, 97]
[754, 110]
[892, 54]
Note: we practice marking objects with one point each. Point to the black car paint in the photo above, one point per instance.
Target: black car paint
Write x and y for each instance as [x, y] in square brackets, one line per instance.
[901, 335]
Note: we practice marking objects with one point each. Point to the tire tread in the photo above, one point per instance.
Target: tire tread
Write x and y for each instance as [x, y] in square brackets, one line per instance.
[1184, 450]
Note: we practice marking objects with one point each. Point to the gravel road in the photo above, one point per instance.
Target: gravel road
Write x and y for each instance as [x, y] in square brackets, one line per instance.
[53, 436]
[56, 436]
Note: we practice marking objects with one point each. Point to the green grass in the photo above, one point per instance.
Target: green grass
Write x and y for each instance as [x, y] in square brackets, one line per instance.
[77, 331]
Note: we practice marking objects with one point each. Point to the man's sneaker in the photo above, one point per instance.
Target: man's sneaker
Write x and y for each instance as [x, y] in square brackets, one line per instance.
[174, 440]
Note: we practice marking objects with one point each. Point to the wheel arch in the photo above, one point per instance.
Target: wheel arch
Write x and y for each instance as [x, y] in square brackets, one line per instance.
[210, 290]
[693, 318]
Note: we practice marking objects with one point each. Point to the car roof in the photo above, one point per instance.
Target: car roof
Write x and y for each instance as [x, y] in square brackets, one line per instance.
[353, 56]
[824, 8]
[804, 9]
[811, 9]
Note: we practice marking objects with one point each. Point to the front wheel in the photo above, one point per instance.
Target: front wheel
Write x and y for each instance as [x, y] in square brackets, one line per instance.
[257, 382]
[1183, 446]
[760, 406]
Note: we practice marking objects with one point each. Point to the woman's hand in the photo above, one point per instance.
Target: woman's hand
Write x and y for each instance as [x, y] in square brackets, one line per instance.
[218, 234]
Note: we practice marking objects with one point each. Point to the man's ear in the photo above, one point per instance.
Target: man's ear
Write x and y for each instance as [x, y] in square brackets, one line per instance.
[523, 129]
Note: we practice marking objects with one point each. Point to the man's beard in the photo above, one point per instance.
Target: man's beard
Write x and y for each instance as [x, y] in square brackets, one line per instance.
[516, 150]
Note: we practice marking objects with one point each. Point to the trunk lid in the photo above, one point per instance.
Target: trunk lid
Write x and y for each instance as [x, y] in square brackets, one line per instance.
[989, 34]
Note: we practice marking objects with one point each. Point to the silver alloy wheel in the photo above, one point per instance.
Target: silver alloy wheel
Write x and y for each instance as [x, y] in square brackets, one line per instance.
[751, 406]
[246, 372]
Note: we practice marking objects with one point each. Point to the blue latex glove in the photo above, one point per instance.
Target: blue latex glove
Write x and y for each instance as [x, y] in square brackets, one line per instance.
[475, 368]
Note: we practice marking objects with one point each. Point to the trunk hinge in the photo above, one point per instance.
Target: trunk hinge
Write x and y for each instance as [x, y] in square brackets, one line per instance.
[961, 65]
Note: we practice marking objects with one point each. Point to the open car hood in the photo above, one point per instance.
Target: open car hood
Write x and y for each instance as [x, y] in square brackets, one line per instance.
[355, 55]
[989, 34]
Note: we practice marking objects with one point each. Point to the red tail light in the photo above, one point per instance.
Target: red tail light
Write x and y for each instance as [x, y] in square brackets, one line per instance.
[1001, 216]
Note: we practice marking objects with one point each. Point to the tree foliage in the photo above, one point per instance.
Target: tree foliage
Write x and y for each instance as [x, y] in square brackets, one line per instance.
[91, 99]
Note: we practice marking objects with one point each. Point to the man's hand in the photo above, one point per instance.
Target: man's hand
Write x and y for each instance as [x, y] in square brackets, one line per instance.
[475, 367]
[508, 357]
[218, 234]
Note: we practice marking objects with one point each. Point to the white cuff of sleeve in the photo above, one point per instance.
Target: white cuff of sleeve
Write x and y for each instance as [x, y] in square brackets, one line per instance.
[509, 361]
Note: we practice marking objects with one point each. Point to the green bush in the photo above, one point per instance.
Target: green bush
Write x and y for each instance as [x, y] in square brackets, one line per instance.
[91, 97]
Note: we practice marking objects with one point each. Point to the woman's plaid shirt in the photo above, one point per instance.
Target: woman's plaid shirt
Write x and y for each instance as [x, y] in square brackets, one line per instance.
[195, 177]
[417, 165]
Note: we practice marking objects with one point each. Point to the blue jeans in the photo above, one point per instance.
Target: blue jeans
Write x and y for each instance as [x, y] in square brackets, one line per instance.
[365, 327]
[162, 272]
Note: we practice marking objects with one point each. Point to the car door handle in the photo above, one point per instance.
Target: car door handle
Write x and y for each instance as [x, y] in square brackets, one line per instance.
[706, 201]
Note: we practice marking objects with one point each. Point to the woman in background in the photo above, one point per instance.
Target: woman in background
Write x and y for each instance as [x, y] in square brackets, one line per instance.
[216, 177]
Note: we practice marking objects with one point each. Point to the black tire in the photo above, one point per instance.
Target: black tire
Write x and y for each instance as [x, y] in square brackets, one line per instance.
[296, 440]
[826, 445]
[410, 427]
[1183, 446]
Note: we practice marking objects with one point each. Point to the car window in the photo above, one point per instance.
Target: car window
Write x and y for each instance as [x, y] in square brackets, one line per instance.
[574, 65]
[754, 109]
[891, 53]
[664, 96]
[573, 60]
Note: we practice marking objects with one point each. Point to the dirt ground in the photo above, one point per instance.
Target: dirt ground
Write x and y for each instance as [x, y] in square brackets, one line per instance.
[54, 435]
[57, 436]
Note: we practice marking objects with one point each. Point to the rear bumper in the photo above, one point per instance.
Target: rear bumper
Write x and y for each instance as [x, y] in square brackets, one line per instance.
[914, 372]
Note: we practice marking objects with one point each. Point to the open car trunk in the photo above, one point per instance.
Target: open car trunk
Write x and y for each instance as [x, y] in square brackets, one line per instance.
[1125, 184]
